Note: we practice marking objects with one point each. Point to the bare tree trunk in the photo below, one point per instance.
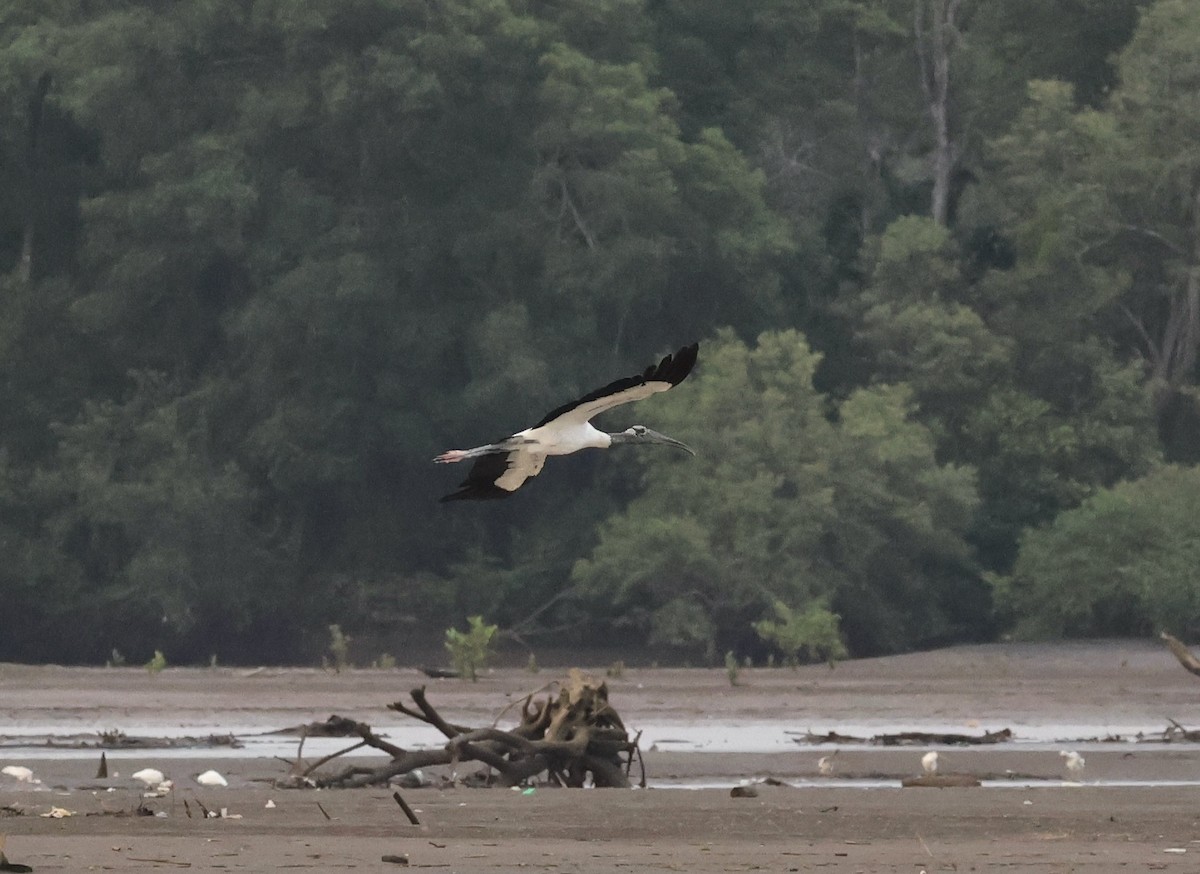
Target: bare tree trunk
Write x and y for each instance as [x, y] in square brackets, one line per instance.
[936, 34]
[1173, 358]
[37, 105]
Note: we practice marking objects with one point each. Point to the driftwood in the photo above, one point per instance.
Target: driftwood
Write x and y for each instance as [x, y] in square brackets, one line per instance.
[1176, 732]
[334, 726]
[1182, 653]
[909, 738]
[117, 740]
[566, 737]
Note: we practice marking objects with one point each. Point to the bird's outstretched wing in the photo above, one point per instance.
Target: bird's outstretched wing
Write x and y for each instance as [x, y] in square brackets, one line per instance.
[669, 372]
[498, 475]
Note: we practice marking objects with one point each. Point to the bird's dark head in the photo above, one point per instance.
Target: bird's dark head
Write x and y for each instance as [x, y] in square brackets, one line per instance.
[642, 434]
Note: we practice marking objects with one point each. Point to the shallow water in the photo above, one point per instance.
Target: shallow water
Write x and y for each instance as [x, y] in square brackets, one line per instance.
[832, 783]
[27, 741]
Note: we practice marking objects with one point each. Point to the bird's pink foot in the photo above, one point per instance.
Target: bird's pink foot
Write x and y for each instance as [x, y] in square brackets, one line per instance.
[451, 455]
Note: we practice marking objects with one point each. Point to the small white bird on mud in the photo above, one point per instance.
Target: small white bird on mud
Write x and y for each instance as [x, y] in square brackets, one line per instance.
[825, 764]
[150, 776]
[1074, 763]
[19, 773]
[929, 762]
[211, 779]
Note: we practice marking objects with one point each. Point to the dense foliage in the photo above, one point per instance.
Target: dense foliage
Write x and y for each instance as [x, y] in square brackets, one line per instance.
[260, 260]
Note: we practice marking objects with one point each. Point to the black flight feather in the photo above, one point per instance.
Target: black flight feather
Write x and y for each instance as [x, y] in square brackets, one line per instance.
[480, 484]
[673, 369]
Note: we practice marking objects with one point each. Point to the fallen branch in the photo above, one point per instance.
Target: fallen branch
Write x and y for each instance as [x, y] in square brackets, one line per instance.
[909, 738]
[571, 738]
[1182, 653]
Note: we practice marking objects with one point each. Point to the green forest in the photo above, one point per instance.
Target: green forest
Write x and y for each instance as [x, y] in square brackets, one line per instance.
[261, 260]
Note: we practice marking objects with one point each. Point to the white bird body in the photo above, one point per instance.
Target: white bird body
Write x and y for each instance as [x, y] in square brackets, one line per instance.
[929, 762]
[19, 772]
[503, 467]
[1074, 762]
[150, 776]
[825, 765]
[211, 778]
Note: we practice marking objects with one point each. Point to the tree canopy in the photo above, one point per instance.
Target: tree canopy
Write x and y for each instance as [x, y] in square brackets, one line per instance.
[260, 261]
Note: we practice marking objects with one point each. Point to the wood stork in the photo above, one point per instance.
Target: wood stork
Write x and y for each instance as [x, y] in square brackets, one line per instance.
[502, 467]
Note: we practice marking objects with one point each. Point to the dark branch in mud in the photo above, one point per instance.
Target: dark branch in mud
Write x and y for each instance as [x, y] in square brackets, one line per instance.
[909, 738]
[572, 737]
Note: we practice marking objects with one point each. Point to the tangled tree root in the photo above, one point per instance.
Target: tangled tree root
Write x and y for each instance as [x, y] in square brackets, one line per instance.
[567, 737]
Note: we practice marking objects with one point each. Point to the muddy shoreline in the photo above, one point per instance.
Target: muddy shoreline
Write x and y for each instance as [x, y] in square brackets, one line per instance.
[1133, 809]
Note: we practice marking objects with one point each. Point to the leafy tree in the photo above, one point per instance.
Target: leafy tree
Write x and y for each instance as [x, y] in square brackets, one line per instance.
[154, 537]
[470, 649]
[1122, 563]
[259, 261]
[784, 505]
[811, 634]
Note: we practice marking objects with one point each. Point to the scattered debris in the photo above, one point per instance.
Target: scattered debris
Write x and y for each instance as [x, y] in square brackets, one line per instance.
[395, 860]
[57, 813]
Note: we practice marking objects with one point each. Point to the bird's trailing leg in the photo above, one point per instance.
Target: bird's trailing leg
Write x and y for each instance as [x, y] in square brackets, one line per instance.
[450, 456]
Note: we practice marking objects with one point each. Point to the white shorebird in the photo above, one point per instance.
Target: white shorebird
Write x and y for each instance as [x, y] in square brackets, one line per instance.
[211, 778]
[20, 773]
[503, 467]
[929, 762]
[1074, 763]
[825, 765]
[150, 776]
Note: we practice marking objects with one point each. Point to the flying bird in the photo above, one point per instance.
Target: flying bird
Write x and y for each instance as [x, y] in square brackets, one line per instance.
[502, 467]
